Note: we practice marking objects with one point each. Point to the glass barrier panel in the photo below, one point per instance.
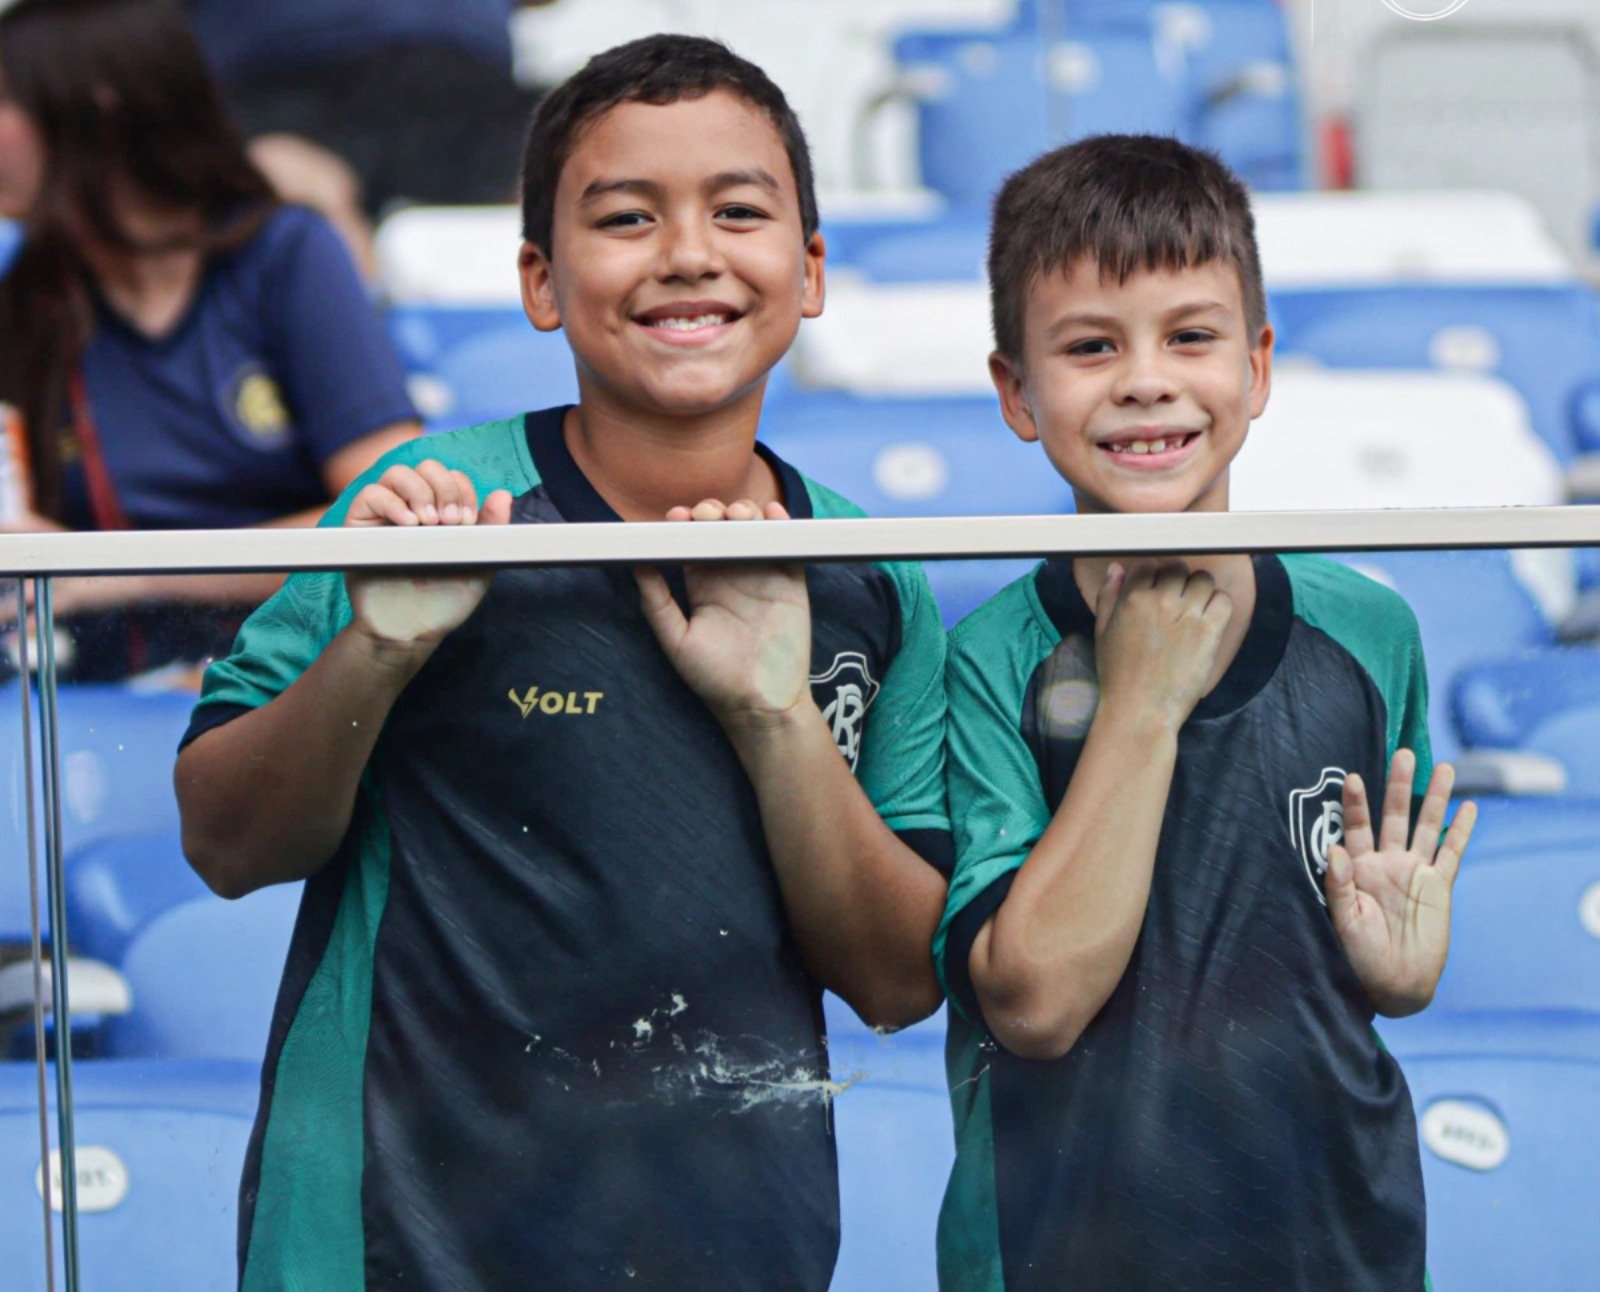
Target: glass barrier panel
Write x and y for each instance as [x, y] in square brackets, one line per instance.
[522, 929]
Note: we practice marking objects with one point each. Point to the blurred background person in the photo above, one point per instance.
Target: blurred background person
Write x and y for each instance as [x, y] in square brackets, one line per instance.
[185, 350]
[353, 106]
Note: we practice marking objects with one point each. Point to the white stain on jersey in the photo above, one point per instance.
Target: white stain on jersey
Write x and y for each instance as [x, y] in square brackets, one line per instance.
[1316, 823]
[853, 689]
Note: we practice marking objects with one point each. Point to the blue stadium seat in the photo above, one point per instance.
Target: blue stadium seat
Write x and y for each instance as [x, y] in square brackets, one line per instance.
[1544, 701]
[1525, 930]
[1470, 606]
[204, 977]
[488, 362]
[896, 1147]
[160, 1150]
[1219, 74]
[118, 748]
[1514, 825]
[1543, 339]
[1509, 1113]
[924, 457]
[118, 885]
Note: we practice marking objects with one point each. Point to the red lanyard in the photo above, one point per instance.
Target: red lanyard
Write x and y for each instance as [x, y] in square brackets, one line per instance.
[108, 513]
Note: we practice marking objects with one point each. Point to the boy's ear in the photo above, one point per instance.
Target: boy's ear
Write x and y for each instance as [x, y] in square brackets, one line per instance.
[1261, 371]
[538, 292]
[813, 291]
[1007, 378]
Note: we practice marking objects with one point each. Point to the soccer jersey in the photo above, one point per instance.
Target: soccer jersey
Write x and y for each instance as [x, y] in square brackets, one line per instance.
[543, 1023]
[1228, 1122]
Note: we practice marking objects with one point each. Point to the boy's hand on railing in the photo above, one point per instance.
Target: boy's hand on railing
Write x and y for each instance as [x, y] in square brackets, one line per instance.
[1158, 627]
[745, 646]
[1390, 901]
[414, 612]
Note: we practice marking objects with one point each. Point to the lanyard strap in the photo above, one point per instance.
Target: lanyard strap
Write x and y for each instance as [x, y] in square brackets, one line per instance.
[103, 501]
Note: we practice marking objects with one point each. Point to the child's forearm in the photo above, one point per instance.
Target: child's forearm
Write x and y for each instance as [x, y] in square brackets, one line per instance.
[267, 797]
[1050, 957]
[862, 905]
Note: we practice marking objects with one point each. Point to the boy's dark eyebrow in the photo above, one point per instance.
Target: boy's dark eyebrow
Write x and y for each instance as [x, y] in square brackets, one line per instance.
[1107, 322]
[756, 175]
[605, 187]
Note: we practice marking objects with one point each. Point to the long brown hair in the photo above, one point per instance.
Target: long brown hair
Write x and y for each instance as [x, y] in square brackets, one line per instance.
[120, 94]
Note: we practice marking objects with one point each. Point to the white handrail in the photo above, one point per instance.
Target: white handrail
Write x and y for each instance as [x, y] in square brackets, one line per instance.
[923, 538]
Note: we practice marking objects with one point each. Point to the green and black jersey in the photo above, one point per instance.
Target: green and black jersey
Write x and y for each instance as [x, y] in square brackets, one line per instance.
[543, 1024]
[1228, 1122]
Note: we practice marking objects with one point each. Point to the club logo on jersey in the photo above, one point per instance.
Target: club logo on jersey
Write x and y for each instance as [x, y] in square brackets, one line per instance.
[844, 692]
[533, 699]
[259, 408]
[1316, 823]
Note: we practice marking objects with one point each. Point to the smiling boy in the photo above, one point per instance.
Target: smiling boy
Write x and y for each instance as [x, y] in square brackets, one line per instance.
[552, 1013]
[1164, 962]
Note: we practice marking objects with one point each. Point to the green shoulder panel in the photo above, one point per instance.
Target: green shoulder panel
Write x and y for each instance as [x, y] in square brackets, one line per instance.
[903, 749]
[1378, 628]
[997, 805]
[282, 638]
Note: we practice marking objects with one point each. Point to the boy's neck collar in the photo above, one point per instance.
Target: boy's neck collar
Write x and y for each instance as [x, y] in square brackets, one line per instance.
[575, 495]
[1259, 653]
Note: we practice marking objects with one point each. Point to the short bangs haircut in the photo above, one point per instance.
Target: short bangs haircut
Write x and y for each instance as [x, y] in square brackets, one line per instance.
[658, 70]
[1130, 203]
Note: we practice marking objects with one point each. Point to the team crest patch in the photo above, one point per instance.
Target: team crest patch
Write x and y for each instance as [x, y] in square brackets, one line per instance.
[1316, 823]
[844, 692]
[259, 408]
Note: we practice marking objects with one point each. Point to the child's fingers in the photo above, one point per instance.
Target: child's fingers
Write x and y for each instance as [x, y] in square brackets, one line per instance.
[1397, 801]
[1357, 816]
[417, 494]
[1340, 886]
[440, 479]
[679, 513]
[1106, 602]
[1454, 847]
[743, 509]
[776, 511]
[496, 508]
[377, 504]
[661, 609]
[1435, 803]
[466, 496]
[708, 509]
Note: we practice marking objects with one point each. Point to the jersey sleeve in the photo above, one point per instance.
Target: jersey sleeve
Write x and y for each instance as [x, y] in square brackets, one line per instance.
[903, 747]
[997, 802]
[1412, 728]
[328, 349]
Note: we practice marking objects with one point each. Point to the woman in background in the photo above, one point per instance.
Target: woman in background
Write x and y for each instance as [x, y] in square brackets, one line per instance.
[185, 350]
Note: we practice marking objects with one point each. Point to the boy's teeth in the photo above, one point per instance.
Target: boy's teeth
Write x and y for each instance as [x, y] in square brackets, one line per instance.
[1143, 446]
[680, 324]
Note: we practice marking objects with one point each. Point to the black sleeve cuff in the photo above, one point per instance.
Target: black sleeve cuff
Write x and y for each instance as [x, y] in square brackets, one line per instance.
[958, 940]
[208, 716]
[936, 847]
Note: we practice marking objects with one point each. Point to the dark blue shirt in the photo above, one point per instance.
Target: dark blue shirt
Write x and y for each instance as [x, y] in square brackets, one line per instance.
[280, 361]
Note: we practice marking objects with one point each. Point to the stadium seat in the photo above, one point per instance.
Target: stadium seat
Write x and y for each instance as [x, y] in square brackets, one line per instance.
[896, 1147]
[1543, 338]
[928, 457]
[116, 886]
[1509, 1113]
[1516, 825]
[1525, 930]
[204, 976]
[1545, 701]
[160, 1147]
[118, 747]
[1470, 606]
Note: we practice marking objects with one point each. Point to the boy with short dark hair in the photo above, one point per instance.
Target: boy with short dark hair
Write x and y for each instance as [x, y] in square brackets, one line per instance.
[576, 860]
[1170, 923]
